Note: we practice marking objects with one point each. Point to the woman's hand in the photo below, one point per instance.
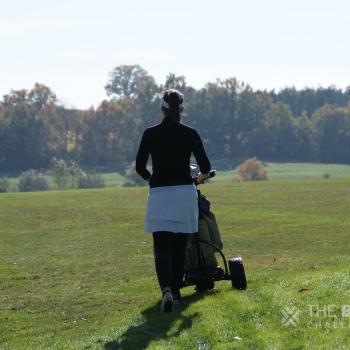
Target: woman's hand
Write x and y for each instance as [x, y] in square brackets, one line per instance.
[201, 177]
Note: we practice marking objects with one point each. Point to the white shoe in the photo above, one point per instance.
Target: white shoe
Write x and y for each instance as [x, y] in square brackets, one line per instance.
[167, 301]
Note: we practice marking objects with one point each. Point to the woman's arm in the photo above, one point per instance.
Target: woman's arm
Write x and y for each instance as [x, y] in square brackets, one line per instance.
[142, 157]
[200, 155]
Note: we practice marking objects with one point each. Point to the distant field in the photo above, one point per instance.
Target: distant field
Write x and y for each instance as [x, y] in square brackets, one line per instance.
[275, 171]
[306, 170]
[113, 179]
[77, 272]
[279, 171]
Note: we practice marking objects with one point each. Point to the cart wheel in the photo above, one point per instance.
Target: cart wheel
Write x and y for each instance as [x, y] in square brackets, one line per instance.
[237, 273]
[203, 286]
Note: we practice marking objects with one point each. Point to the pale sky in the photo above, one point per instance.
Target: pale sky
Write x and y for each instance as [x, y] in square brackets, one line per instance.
[72, 45]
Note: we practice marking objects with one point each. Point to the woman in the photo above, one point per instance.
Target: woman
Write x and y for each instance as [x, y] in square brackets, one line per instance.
[172, 208]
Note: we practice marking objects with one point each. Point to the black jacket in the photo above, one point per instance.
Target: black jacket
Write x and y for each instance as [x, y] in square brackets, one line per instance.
[170, 146]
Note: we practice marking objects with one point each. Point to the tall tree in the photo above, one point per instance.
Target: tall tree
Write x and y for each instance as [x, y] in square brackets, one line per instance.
[109, 134]
[32, 134]
[332, 127]
[128, 81]
[281, 138]
[173, 81]
[305, 148]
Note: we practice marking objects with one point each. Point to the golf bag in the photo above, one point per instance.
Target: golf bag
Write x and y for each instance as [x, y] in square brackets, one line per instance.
[208, 230]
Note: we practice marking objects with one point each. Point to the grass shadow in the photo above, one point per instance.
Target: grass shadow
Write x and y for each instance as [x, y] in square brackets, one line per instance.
[156, 326]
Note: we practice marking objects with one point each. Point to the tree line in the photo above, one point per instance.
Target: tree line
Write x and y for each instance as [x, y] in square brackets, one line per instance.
[235, 122]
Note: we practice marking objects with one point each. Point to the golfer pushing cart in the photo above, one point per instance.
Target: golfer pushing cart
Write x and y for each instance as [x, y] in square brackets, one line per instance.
[176, 210]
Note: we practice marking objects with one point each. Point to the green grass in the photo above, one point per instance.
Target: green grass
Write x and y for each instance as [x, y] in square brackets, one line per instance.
[76, 271]
[306, 170]
[276, 171]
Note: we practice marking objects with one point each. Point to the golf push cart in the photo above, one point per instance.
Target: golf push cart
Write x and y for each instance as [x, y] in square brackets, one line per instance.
[201, 267]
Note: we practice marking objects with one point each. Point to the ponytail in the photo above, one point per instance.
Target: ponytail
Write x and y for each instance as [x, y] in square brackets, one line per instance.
[172, 102]
[174, 107]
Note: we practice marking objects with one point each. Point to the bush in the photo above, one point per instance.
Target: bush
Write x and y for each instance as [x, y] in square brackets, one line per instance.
[33, 180]
[66, 174]
[252, 170]
[133, 178]
[91, 181]
[4, 185]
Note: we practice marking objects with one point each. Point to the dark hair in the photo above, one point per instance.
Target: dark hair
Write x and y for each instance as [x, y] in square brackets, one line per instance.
[174, 98]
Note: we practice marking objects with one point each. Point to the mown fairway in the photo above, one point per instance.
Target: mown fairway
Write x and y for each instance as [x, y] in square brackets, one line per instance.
[76, 271]
[275, 171]
[292, 171]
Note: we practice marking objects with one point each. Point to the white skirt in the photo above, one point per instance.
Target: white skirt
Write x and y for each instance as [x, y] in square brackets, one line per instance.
[172, 209]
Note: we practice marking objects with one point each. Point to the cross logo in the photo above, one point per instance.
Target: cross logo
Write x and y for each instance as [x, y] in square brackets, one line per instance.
[290, 316]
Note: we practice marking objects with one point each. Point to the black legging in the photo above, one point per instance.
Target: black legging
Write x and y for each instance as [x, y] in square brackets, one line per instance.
[169, 255]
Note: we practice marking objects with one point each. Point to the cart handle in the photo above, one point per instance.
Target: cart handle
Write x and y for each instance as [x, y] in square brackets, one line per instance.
[200, 240]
